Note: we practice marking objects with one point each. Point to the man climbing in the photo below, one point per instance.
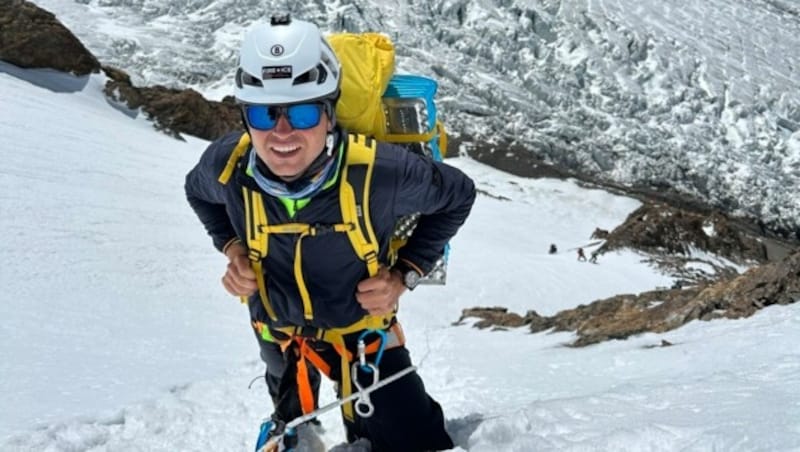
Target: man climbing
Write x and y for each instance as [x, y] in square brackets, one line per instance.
[308, 245]
[581, 256]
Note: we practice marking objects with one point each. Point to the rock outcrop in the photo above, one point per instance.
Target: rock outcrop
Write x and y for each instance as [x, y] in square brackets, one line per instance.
[31, 37]
[176, 111]
[657, 311]
[659, 228]
[692, 247]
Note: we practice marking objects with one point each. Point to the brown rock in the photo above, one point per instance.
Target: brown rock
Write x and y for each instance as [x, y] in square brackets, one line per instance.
[117, 75]
[657, 311]
[31, 37]
[176, 111]
[496, 316]
[536, 322]
[775, 283]
[598, 233]
[659, 228]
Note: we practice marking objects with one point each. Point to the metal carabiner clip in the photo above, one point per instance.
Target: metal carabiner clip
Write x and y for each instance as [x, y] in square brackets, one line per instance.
[363, 404]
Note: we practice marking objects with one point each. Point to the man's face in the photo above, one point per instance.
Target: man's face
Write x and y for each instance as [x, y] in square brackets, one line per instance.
[287, 151]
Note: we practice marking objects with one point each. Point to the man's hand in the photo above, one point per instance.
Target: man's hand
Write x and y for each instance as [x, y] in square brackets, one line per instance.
[239, 279]
[379, 294]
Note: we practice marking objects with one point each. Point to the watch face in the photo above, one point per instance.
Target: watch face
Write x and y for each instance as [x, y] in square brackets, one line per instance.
[411, 279]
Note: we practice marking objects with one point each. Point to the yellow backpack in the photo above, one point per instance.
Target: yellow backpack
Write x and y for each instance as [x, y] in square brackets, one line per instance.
[367, 61]
[367, 65]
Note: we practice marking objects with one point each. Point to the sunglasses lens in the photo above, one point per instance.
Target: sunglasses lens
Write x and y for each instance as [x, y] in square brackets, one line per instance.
[261, 117]
[304, 116]
[300, 116]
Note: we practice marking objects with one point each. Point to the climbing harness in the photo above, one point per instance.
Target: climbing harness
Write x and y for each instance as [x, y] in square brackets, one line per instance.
[303, 339]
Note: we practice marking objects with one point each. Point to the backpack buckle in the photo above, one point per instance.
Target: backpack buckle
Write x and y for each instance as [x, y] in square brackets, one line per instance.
[308, 332]
[371, 257]
[322, 229]
[254, 255]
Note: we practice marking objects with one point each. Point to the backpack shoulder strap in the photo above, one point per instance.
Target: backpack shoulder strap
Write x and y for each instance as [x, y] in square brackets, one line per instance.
[354, 198]
[257, 242]
[238, 153]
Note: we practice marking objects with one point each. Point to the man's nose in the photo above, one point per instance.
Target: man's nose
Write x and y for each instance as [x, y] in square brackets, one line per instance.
[283, 126]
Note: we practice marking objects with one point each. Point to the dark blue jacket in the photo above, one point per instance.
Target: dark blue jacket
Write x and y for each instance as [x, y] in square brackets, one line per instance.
[402, 183]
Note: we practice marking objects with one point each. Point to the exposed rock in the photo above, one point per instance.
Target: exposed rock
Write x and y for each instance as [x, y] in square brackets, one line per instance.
[659, 228]
[687, 244]
[176, 111]
[117, 75]
[622, 316]
[775, 283]
[598, 233]
[496, 316]
[538, 323]
[31, 37]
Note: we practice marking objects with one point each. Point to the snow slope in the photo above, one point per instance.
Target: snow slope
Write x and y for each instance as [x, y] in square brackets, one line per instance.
[117, 336]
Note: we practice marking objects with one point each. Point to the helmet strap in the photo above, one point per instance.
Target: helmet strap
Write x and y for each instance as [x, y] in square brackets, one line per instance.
[330, 109]
[244, 124]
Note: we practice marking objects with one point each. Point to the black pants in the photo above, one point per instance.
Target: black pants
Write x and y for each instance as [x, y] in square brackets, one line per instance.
[406, 418]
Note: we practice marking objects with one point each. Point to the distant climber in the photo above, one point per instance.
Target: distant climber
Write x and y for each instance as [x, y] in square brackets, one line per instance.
[553, 249]
[581, 256]
[593, 257]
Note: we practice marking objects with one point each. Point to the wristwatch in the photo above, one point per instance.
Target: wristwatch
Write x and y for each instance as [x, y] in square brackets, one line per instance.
[409, 274]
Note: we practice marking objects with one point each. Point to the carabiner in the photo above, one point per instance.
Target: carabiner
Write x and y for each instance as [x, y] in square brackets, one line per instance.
[362, 357]
[363, 404]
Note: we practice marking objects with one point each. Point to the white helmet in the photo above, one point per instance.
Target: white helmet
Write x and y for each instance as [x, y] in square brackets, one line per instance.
[286, 61]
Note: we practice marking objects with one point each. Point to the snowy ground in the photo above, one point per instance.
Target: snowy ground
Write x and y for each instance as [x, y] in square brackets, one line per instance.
[117, 336]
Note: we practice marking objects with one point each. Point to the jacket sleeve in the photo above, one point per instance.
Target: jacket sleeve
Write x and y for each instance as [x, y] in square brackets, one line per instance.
[442, 194]
[206, 195]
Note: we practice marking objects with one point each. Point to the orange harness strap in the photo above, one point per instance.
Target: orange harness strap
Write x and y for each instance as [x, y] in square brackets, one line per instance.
[395, 338]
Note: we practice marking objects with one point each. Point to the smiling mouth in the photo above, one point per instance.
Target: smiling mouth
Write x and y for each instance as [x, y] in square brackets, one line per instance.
[285, 149]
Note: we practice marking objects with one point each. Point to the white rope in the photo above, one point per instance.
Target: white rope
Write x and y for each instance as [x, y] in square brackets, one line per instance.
[273, 442]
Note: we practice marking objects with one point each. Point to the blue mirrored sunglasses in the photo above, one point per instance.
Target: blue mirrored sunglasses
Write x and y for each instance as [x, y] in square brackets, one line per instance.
[300, 116]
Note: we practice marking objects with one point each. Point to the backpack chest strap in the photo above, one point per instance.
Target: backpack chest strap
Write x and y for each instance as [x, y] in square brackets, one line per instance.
[258, 231]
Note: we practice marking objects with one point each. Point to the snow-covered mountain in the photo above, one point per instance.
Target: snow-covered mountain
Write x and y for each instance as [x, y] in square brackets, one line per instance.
[117, 336]
[701, 98]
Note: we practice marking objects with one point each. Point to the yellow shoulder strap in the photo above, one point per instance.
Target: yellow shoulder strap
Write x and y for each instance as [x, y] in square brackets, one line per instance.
[354, 199]
[238, 152]
[257, 242]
